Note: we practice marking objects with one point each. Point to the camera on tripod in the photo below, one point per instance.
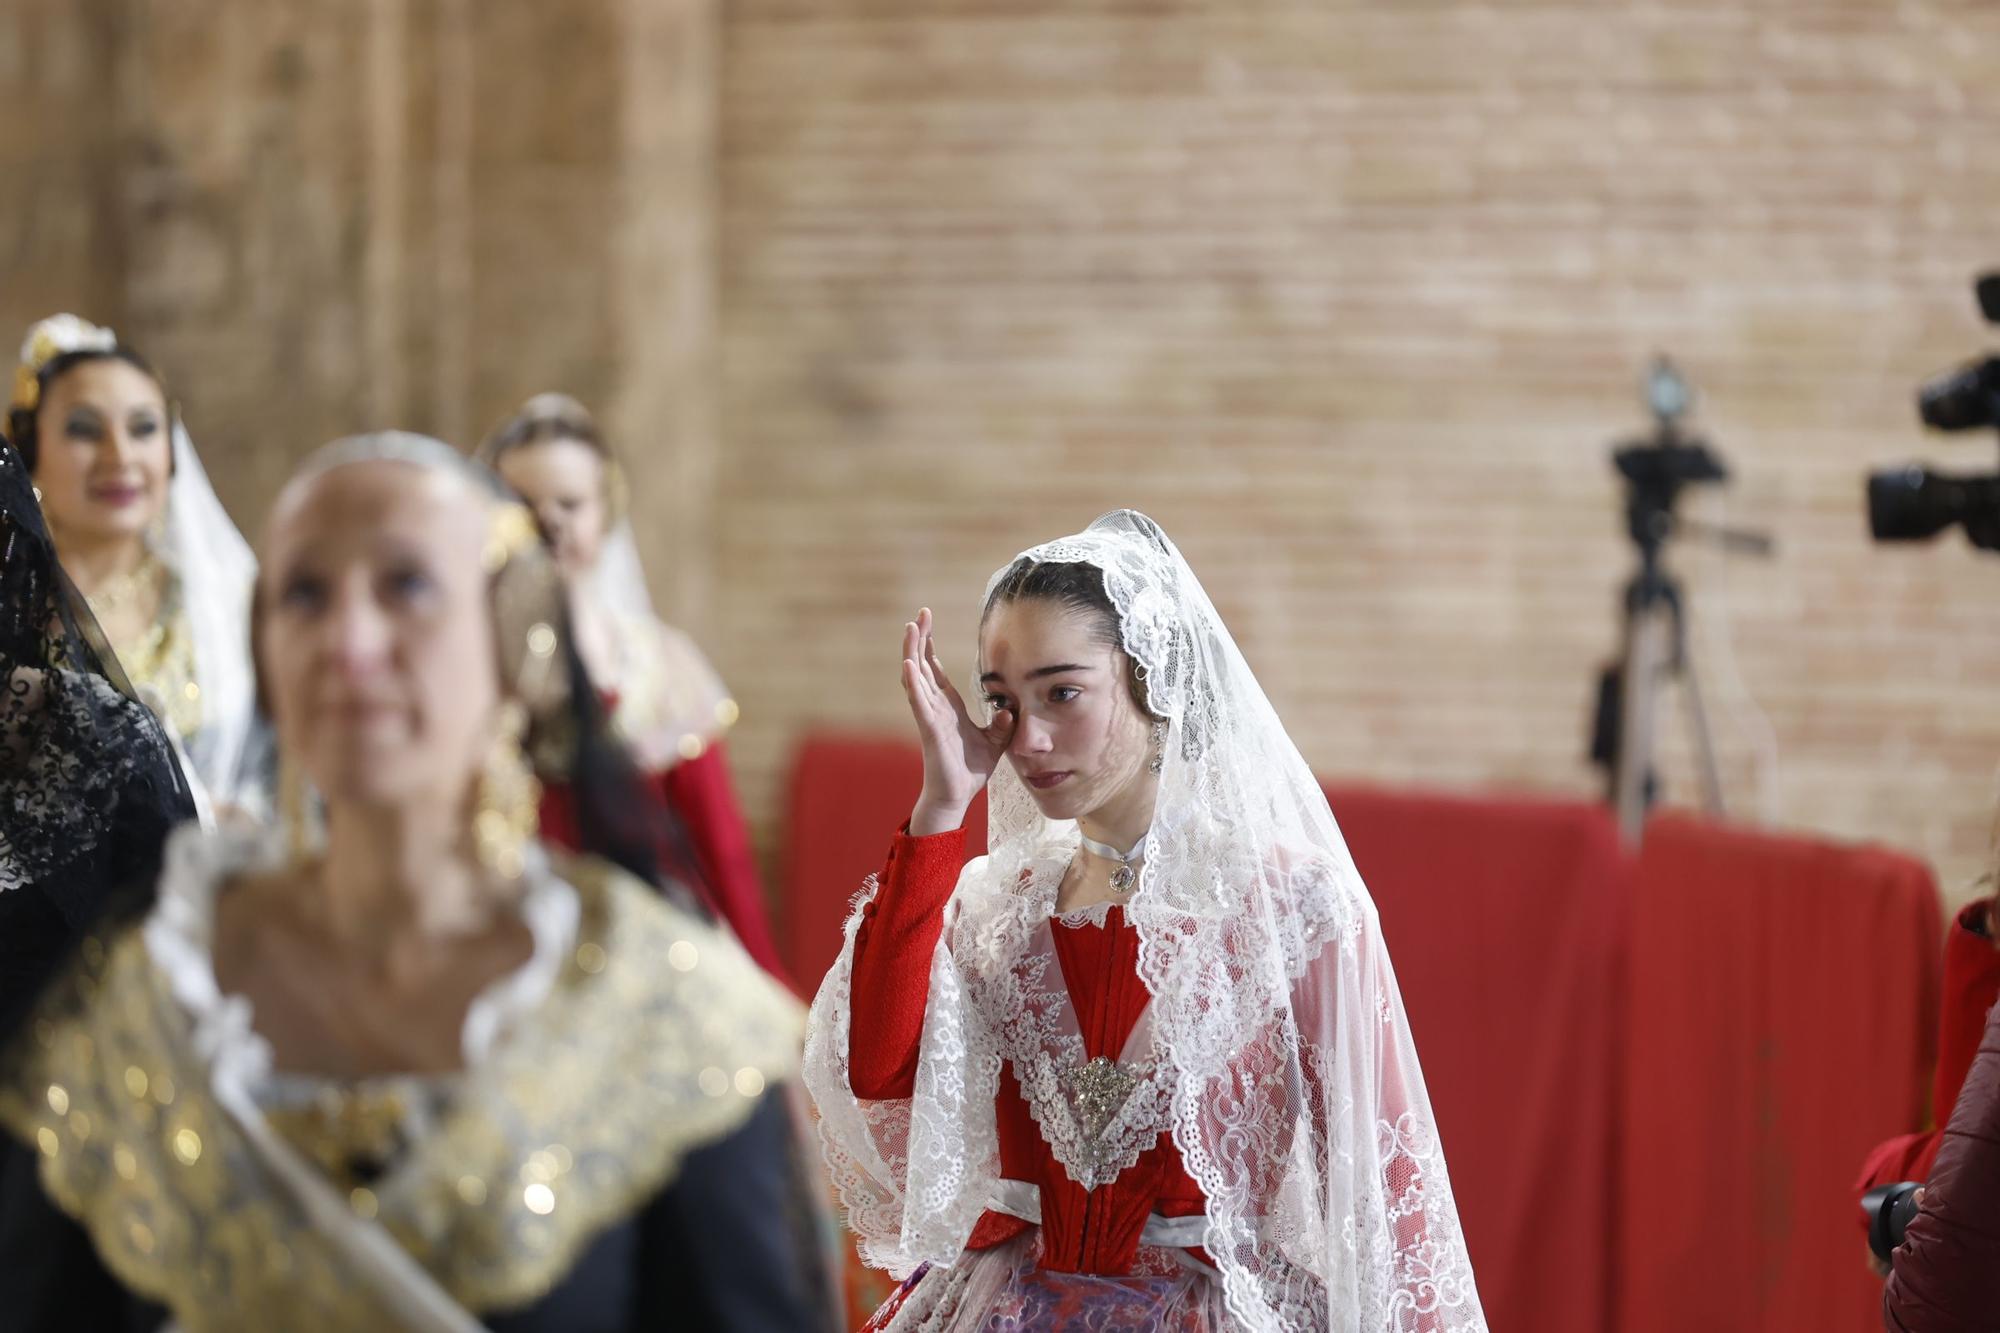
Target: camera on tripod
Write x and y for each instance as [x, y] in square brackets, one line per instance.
[1656, 469]
[1916, 503]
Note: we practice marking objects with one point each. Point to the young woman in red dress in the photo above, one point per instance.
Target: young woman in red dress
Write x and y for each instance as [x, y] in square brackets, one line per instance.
[1144, 1064]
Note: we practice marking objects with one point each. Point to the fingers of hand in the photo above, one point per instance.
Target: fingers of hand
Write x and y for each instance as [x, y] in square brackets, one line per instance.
[915, 658]
[927, 641]
[922, 691]
[1000, 731]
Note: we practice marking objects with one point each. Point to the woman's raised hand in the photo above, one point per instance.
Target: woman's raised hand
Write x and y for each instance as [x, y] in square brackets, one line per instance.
[959, 754]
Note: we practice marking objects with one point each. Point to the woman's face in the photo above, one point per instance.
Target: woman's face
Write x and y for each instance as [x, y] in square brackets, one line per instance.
[103, 451]
[563, 481]
[375, 633]
[1081, 743]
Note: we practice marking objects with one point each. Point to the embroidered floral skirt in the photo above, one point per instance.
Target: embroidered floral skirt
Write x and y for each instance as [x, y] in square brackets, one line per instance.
[1004, 1290]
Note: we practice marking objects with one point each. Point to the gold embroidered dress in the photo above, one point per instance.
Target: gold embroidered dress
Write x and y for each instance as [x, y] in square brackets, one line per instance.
[240, 1198]
[158, 659]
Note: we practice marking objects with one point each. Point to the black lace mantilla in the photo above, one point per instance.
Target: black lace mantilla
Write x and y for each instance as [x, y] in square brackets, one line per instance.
[89, 786]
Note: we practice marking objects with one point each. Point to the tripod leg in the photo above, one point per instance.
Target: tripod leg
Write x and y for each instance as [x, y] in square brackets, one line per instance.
[1647, 647]
[1704, 739]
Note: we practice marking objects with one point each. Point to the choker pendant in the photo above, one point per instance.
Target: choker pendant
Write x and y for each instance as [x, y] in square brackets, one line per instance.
[1125, 874]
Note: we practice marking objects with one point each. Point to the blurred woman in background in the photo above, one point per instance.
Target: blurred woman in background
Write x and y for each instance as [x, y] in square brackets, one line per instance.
[142, 535]
[666, 702]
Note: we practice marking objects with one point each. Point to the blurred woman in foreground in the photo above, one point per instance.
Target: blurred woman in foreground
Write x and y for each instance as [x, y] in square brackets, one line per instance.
[391, 1065]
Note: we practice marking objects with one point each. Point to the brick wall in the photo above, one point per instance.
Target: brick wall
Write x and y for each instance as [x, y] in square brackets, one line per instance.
[1353, 297]
[58, 238]
[323, 218]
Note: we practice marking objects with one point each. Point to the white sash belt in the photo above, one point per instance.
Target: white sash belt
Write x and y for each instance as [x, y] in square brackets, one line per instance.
[1023, 1199]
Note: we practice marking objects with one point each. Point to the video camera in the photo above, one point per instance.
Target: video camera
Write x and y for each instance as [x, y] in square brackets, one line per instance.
[1915, 503]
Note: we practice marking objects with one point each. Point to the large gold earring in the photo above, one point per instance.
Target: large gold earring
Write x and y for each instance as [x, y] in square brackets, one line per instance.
[510, 532]
[507, 808]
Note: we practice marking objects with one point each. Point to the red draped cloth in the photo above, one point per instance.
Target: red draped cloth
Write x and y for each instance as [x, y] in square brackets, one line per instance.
[1782, 994]
[1506, 920]
[845, 792]
[1654, 1076]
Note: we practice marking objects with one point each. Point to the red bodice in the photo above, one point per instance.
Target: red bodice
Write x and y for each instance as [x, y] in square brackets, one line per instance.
[1083, 1231]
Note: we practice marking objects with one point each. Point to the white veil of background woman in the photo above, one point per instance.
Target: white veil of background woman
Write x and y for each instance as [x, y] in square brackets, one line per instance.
[217, 574]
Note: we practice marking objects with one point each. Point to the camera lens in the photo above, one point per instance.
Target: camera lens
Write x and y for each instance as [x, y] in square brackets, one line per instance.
[1909, 504]
[1961, 399]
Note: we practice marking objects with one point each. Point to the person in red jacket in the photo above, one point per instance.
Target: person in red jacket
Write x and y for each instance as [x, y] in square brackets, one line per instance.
[1971, 989]
[1946, 1275]
[667, 704]
[1143, 1065]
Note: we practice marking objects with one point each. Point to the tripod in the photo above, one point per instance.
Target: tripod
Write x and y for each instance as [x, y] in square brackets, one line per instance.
[1653, 651]
[1654, 654]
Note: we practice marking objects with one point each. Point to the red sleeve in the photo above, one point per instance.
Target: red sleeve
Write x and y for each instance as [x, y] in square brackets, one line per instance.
[1945, 1279]
[700, 793]
[1971, 987]
[892, 962]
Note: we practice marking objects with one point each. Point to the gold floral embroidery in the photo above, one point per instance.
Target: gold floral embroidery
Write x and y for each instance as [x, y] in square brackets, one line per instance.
[159, 659]
[580, 1115]
[344, 1126]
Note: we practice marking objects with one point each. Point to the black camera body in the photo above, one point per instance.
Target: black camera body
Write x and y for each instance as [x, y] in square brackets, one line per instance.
[1915, 503]
[1658, 469]
[1889, 1209]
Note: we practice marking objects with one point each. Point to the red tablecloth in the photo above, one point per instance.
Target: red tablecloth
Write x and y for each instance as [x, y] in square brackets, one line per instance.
[1655, 1081]
[1783, 1002]
[1505, 920]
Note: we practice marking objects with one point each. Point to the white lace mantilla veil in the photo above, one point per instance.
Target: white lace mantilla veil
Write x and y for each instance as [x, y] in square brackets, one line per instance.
[619, 579]
[1297, 1101]
[216, 574]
